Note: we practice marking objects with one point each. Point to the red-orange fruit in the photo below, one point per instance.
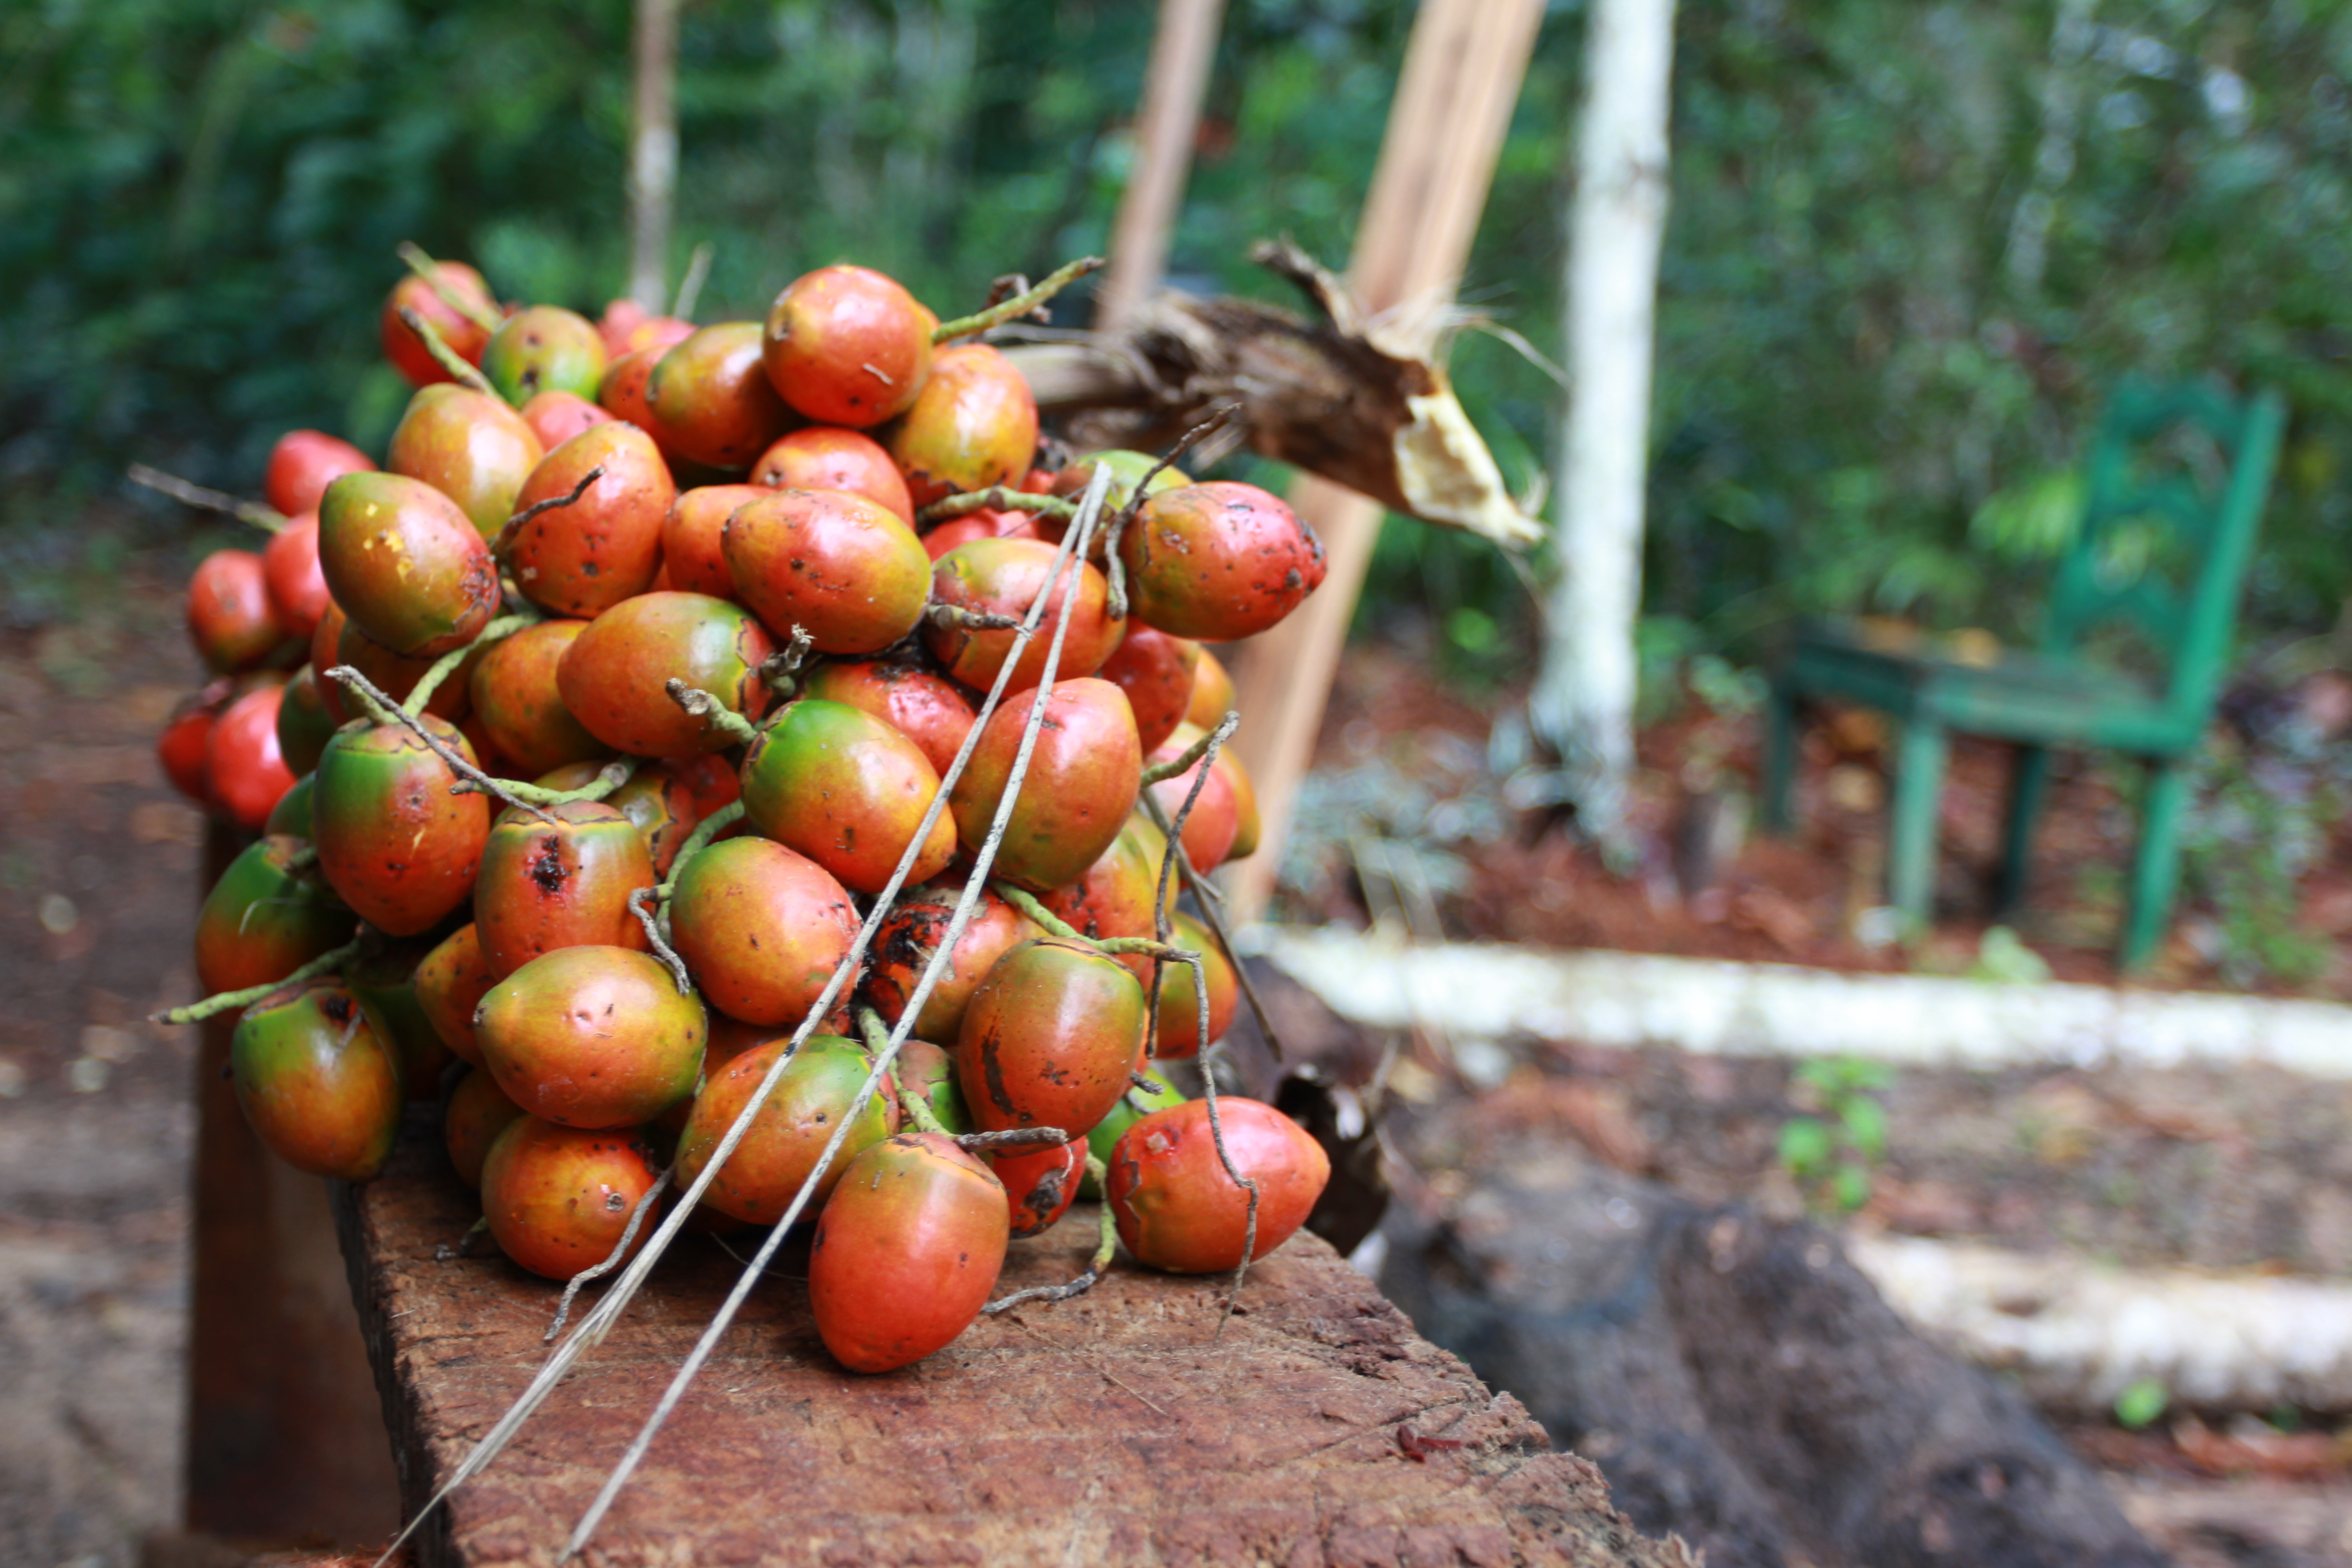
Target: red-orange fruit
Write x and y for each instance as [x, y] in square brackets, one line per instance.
[264, 919]
[544, 348]
[621, 393]
[1178, 1033]
[468, 446]
[1218, 562]
[973, 424]
[613, 676]
[693, 535]
[451, 981]
[1175, 1206]
[982, 524]
[799, 1116]
[392, 841]
[478, 1111]
[582, 559]
[825, 457]
[1083, 776]
[560, 880]
[180, 749]
[592, 1036]
[556, 417]
[457, 329]
[658, 801]
[1113, 897]
[405, 565]
[515, 697]
[839, 566]
[229, 614]
[1245, 818]
[1049, 1037]
[626, 327]
[847, 791]
[1003, 577]
[290, 573]
[243, 761]
[384, 984]
[762, 928]
[912, 932]
[1212, 693]
[1209, 831]
[925, 708]
[559, 1199]
[1157, 672]
[318, 1082]
[906, 1251]
[1039, 1183]
[846, 345]
[711, 400]
[301, 465]
[928, 1073]
[338, 642]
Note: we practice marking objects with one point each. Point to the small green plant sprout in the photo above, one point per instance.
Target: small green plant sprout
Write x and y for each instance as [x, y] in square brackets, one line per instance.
[2142, 1404]
[1831, 1153]
[2004, 960]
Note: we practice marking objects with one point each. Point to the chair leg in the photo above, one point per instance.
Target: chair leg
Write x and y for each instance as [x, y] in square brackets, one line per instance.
[2028, 781]
[1911, 834]
[1780, 755]
[2156, 870]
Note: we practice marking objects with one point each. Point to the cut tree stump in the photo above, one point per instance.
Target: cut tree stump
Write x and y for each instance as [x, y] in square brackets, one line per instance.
[1110, 1429]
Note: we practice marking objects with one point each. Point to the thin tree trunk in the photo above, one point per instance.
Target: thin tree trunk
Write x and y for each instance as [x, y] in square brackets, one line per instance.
[1165, 127]
[653, 151]
[1582, 705]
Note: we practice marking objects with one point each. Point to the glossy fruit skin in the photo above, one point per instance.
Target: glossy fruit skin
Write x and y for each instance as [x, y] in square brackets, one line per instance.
[1081, 783]
[1157, 672]
[1218, 562]
[247, 770]
[906, 1251]
[693, 535]
[621, 393]
[263, 920]
[468, 446]
[544, 348]
[984, 523]
[180, 749]
[339, 642]
[592, 1036]
[762, 928]
[847, 791]
[565, 883]
[400, 345]
[1245, 818]
[582, 559]
[478, 1111]
[904, 942]
[515, 696]
[301, 464]
[973, 424]
[659, 803]
[711, 400]
[557, 417]
[1176, 1208]
[291, 814]
[612, 677]
[827, 458]
[926, 1072]
[846, 345]
[384, 985]
[1132, 1107]
[1049, 1037]
[1112, 898]
[1177, 1036]
[1209, 830]
[925, 708]
[451, 981]
[559, 1198]
[229, 616]
[1212, 693]
[405, 563]
[1126, 468]
[392, 841]
[799, 1118]
[1039, 1183]
[1003, 577]
[626, 328]
[839, 564]
[304, 725]
[317, 1082]
[291, 576]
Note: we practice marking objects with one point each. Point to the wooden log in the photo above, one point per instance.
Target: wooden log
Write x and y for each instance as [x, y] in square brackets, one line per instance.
[1114, 1428]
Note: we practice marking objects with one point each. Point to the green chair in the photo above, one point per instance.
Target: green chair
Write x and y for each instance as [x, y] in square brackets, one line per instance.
[2056, 698]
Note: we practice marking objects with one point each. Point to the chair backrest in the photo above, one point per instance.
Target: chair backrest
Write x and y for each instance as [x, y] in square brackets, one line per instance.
[2194, 463]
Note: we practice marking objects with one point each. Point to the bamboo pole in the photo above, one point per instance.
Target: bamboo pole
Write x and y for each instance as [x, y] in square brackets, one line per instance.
[1462, 72]
[653, 151]
[1167, 123]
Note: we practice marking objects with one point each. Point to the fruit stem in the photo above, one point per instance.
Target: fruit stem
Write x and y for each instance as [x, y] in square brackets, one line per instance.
[612, 1259]
[513, 525]
[610, 777]
[690, 287]
[702, 705]
[1226, 1158]
[1020, 305]
[221, 1002]
[970, 620]
[1159, 772]
[263, 518]
[640, 905]
[447, 358]
[781, 669]
[709, 828]
[425, 267]
[917, 1106]
[442, 668]
[1026, 903]
[521, 796]
[1213, 916]
[1106, 1248]
[996, 497]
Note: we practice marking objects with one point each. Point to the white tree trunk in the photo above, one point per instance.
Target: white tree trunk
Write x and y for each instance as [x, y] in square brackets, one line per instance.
[653, 151]
[1582, 705]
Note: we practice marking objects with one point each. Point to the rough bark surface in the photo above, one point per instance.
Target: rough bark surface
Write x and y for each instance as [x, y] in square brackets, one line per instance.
[1110, 1429]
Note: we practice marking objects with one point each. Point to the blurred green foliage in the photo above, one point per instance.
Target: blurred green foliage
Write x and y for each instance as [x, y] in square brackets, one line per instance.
[1910, 243]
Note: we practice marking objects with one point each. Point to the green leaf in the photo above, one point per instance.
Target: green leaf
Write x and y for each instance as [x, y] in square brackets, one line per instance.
[1852, 1186]
[2142, 1402]
[1866, 1125]
[1805, 1146]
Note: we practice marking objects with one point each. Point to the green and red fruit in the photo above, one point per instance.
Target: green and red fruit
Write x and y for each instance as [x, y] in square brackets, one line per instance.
[973, 424]
[613, 676]
[464, 335]
[1157, 672]
[582, 559]
[1004, 577]
[301, 465]
[180, 749]
[317, 1084]
[592, 1036]
[1218, 562]
[984, 523]
[827, 458]
[291, 814]
[925, 708]
[1209, 830]
[1039, 1183]
[468, 446]
[1113, 897]
[762, 928]
[404, 564]
[846, 345]
[810, 1102]
[1083, 775]
[304, 725]
[451, 981]
[1179, 1032]
[657, 800]
[557, 417]
[711, 402]
[264, 919]
[337, 641]
[906, 1251]
[1212, 693]
[478, 1111]
[243, 762]
[544, 348]
[693, 537]
[1245, 818]
[230, 618]
[392, 841]
[291, 575]
[559, 880]
[621, 393]
[1049, 1037]
[385, 983]
[626, 327]
[928, 1073]
[847, 791]
[1177, 1209]
[1132, 1107]
[514, 694]
[839, 566]
[559, 1199]
[913, 931]
[1126, 470]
